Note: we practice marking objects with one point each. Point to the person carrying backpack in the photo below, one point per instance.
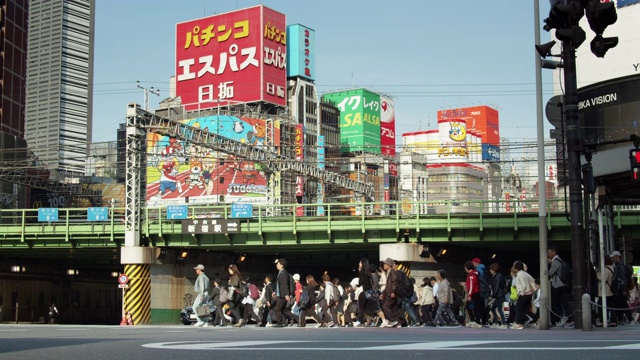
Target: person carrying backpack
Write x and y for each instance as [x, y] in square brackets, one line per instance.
[249, 302]
[308, 302]
[331, 297]
[391, 294]
[472, 287]
[607, 275]
[217, 300]
[484, 280]
[53, 313]
[498, 296]
[560, 277]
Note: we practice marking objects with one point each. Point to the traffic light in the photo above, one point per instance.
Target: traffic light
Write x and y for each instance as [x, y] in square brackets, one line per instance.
[634, 158]
[600, 15]
[600, 45]
[565, 18]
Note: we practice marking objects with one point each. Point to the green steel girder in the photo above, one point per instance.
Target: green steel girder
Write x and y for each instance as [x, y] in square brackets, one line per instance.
[287, 231]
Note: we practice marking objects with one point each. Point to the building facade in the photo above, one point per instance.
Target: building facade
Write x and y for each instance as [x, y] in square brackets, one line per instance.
[13, 40]
[59, 83]
[13, 60]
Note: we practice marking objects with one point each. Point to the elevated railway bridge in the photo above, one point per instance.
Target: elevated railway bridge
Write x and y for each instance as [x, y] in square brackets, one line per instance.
[46, 251]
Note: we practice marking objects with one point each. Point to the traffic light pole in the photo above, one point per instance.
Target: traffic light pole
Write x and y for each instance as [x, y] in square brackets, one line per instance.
[574, 148]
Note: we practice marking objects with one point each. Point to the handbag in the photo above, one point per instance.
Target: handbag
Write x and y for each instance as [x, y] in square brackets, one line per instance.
[291, 302]
[203, 310]
[371, 294]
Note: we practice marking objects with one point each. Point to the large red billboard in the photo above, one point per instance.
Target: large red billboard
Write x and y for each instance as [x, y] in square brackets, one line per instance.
[230, 58]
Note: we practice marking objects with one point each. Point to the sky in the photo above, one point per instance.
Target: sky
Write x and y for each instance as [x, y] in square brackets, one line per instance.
[428, 55]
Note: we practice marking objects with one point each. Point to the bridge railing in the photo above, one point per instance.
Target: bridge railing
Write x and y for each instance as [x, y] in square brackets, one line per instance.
[399, 209]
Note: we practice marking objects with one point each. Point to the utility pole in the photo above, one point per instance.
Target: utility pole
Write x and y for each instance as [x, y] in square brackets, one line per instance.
[574, 147]
[564, 17]
[146, 94]
[542, 188]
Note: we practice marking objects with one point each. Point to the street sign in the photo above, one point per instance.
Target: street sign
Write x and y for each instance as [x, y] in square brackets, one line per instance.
[177, 212]
[47, 214]
[241, 211]
[553, 110]
[98, 214]
[123, 279]
[210, 226]
[123, 286]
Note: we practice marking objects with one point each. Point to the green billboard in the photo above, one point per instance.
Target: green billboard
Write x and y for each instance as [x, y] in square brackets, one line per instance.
[359, 119]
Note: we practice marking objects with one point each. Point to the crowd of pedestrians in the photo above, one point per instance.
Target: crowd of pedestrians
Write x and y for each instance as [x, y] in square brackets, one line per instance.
[382, 295]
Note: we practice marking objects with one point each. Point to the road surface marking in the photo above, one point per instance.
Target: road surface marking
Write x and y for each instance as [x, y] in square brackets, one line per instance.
[436, 345]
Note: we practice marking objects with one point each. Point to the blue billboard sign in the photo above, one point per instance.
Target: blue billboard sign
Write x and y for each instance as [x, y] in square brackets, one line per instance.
[47, 214]
[301, 56]
[241, 211]
[177, 212]
[490, 152]
[98, 214]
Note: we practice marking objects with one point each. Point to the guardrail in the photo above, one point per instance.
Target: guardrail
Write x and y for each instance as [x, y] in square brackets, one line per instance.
[401, 209]
[73, 224]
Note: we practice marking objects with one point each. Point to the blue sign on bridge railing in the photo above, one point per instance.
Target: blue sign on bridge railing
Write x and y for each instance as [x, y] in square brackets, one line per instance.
[98, 214]
[177, 212]
[241, 211]
[47, 214]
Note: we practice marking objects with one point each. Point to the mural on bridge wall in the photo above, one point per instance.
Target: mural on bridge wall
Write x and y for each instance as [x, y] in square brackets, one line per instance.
[179, 172]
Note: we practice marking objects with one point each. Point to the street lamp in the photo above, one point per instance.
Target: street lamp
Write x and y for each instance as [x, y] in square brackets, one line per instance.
[72, 273]
[17, 269]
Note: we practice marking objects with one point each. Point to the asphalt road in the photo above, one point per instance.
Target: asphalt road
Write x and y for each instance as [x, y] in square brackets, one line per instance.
[49, 342]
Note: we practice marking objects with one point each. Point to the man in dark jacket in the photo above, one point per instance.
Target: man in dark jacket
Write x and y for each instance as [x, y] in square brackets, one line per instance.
[389, 296]
[560, 292]
[283, 294]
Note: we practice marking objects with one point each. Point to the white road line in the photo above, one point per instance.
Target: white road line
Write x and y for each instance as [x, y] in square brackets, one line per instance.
[213, 345]
[409, 346]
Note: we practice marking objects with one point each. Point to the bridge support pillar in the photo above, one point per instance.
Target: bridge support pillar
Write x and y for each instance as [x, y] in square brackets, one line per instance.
[160, 285]
[137, 297]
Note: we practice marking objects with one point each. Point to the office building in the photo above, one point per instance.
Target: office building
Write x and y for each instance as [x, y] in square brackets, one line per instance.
[59, 82]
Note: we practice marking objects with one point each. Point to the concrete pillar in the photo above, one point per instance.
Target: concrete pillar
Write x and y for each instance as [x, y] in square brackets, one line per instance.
[137, 297]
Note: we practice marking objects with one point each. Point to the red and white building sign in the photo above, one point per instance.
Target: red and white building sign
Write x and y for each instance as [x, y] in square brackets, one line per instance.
[299, 157]
[229, 58]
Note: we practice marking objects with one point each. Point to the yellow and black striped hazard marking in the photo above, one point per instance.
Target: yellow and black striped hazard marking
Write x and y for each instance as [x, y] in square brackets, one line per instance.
[137, 298]
[405, 266]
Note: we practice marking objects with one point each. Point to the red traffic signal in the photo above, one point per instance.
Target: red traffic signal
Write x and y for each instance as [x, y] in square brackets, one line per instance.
[600, 15]
[634, 158]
